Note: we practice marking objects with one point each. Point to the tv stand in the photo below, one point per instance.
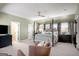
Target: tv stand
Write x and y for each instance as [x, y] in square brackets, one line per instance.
[5, 40]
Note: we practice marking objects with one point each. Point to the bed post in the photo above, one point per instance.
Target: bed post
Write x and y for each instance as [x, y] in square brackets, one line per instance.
[74, 33]
[34, 31]
[44, 27]
[52, 34]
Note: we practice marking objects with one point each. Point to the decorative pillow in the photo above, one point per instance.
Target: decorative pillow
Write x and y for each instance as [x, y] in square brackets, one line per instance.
[41, 43]
[47, 44]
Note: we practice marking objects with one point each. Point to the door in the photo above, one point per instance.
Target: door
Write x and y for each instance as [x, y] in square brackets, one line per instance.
[15, 31]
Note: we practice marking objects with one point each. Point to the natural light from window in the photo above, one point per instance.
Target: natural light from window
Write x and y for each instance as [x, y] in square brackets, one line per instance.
[64, 28]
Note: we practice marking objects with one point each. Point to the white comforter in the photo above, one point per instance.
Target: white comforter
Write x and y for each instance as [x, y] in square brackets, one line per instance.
[46, 36]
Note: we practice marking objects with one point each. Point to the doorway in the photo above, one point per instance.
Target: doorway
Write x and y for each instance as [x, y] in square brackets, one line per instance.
[15, 31]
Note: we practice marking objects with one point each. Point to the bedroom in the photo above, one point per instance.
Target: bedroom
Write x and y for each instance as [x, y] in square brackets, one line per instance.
[55, 19]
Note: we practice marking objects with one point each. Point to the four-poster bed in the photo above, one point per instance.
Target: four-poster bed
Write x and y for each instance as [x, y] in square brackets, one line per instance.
[51, 30]
[44, 31]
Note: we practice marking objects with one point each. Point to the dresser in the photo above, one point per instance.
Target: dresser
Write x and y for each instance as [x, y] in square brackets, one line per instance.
[5, 40]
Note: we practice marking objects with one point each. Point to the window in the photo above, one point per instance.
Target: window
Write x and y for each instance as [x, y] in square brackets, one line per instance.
[55, 29]
[47, 26]
[41, 27]
[64, 28]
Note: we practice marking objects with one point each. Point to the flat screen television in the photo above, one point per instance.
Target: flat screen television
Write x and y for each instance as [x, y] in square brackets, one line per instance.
[3, 29]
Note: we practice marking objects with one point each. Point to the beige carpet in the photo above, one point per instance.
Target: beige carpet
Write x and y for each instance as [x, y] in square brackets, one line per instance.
[64, 49]
[60, 49]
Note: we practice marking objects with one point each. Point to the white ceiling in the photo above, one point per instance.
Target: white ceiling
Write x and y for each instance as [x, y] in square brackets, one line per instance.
[29, 10]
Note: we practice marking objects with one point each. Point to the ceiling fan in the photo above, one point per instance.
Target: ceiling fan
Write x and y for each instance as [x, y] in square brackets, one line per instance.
[39, 14]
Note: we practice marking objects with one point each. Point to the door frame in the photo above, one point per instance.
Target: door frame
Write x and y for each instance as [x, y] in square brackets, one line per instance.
[18, 37]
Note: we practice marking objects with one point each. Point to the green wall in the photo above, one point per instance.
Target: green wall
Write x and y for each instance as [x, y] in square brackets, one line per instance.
[5, 19]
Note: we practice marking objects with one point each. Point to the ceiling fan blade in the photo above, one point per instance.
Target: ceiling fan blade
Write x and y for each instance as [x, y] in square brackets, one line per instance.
[39, 14]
